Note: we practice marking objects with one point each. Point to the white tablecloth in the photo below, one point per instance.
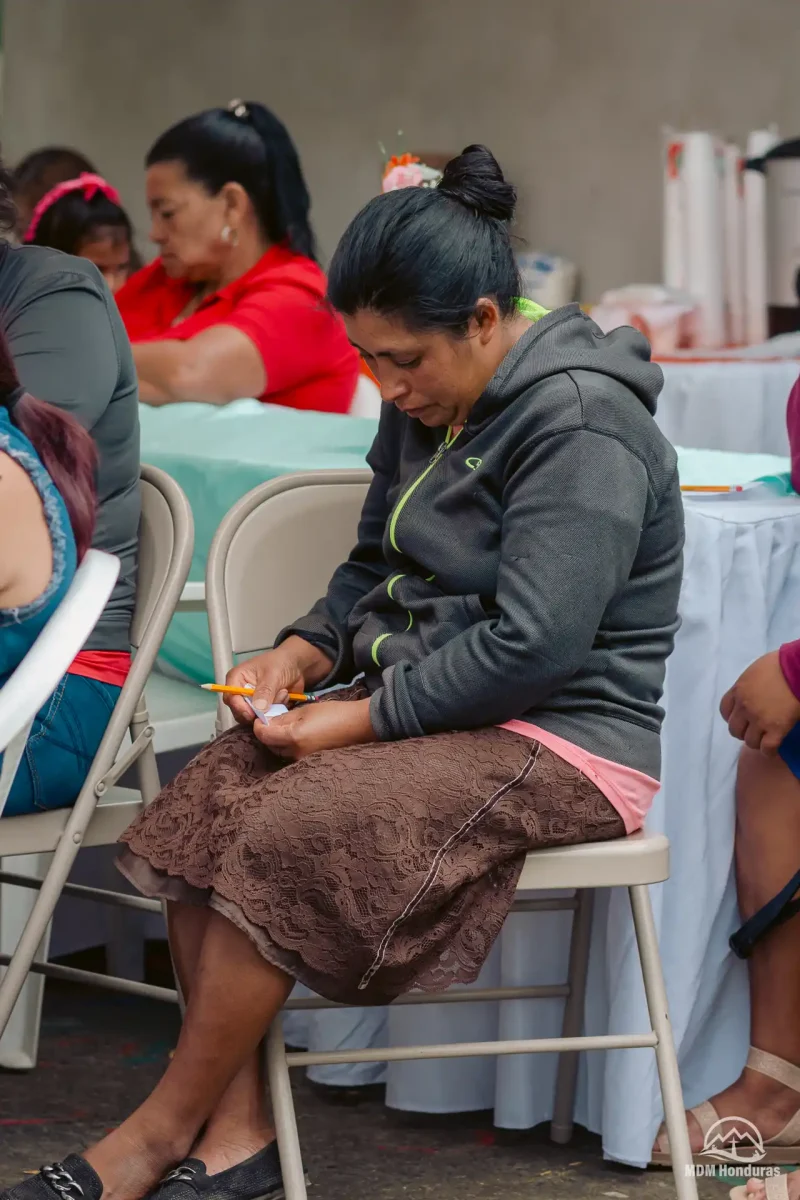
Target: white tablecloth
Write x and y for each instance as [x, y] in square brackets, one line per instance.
[741, 597]
[727, 405]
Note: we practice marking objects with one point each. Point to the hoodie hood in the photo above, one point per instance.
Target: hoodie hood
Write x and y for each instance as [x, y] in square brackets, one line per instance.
[567, 340]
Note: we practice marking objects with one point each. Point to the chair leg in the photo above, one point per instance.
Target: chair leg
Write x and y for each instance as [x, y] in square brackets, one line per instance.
[19, 1044]
[283, 1111]
[36, 926]
[666, 1058]
[561, 1126]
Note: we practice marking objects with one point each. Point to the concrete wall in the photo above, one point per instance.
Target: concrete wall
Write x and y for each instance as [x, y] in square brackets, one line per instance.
[570, 94]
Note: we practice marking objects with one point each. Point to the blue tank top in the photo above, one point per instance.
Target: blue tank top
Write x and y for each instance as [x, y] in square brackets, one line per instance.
[19, 627]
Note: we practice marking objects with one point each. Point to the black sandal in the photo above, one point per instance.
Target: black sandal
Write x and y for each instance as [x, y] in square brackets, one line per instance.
[71, 1179]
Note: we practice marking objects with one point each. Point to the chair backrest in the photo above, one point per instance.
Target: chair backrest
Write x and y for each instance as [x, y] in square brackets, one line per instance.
[273, 555]
[166, 545]
[38, 674]
[166, 539]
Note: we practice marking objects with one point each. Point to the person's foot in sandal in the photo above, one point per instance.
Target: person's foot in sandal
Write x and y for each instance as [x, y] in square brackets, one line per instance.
[775, 1187]
[767, 1094]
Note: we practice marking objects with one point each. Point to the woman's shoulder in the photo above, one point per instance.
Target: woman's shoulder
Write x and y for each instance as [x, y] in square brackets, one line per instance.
[27, 271]
[65, 333]
[281, 268]
[40, 528]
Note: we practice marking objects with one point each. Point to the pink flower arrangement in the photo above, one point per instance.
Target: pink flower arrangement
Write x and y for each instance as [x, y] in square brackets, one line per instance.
[402, 176]
[405, 170]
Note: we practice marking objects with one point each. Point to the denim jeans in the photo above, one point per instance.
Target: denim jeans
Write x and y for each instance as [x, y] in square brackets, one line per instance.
[63, 741]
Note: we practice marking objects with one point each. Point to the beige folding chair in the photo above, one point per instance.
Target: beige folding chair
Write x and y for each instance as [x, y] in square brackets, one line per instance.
[102, 810]
[271, 558]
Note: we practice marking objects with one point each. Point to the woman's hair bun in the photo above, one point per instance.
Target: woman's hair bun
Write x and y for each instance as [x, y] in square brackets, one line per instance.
[474, 179]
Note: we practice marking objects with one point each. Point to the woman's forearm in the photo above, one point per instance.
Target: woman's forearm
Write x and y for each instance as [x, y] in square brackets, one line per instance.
[149, 394]
[213, 367]
[167, 374]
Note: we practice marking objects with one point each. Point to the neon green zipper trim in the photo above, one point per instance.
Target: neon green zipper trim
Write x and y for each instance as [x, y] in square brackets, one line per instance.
[450, 437]
[401, 503]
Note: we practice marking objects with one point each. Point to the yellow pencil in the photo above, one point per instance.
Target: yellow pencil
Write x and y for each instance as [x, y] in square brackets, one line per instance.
[298, 697]
[696, 487]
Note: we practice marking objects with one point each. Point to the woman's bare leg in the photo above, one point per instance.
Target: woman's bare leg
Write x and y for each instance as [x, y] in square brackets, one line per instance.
[240, 1124]
[221, 1031]
[767, 856]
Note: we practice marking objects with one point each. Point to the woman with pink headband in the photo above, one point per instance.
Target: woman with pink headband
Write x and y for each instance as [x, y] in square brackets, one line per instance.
[84, 217]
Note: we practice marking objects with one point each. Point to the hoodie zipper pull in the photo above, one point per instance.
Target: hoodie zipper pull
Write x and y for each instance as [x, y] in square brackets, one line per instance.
[446, 444]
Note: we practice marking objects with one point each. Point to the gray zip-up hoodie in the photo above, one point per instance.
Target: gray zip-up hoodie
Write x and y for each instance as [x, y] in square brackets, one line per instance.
[527, 567]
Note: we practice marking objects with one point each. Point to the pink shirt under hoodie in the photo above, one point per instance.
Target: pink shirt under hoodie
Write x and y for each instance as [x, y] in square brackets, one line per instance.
[631, 792]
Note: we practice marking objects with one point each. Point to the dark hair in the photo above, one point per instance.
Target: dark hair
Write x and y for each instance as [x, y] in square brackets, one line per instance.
[41, 170]
[73, 220]
[426, 255]
[67, 451]
[246, 144]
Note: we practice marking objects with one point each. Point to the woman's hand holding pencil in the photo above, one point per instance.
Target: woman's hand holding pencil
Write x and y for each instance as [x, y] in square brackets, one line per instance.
[274, 677]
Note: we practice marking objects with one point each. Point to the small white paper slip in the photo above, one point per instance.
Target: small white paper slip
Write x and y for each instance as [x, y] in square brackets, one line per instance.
[274, 710]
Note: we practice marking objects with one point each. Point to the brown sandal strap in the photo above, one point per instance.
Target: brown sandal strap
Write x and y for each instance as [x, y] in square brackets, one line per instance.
[774, 1068]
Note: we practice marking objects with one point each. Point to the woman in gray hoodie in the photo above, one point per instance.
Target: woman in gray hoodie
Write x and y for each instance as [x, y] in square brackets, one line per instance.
[508, 610]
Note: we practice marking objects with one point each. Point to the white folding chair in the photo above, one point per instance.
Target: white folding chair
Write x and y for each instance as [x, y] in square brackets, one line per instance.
[103, 809]
[271, 558]
[39, 673]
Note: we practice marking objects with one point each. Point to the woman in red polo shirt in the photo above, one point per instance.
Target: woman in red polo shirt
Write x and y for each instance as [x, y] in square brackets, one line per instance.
[235, 304]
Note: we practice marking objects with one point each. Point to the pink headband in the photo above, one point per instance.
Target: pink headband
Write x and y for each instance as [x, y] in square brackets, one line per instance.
[89, 184]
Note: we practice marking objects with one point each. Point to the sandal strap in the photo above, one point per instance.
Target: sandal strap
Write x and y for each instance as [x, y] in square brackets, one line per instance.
[776, 1187]
[704, 1114]
[789, 1135]
[774, 1068]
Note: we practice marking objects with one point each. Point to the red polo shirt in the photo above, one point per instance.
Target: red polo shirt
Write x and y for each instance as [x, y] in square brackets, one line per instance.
[279, 304]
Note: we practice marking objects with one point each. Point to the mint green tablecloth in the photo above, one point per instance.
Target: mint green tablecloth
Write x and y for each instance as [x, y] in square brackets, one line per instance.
[217, 455]
[726, 467]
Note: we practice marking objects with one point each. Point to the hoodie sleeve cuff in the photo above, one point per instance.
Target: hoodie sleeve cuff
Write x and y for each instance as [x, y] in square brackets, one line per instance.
[789, 659]
[327, 639]
[391, 715]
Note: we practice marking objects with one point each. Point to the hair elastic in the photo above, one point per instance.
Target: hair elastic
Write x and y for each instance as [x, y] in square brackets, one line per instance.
[86, 183]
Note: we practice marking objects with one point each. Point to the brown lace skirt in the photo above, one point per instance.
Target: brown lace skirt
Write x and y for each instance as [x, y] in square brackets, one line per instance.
[371, 870]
